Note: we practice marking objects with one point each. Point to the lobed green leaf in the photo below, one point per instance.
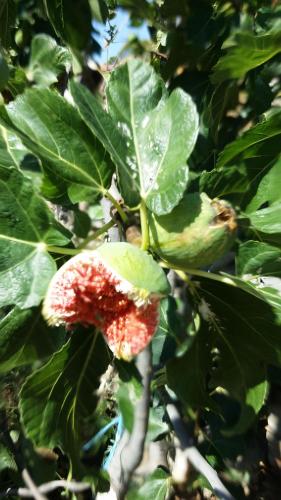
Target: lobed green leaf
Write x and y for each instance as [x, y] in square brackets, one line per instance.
[249, 52]
[56, 398]
[27, 226]
[148, 134]
[52, 129]
[251, 142]
[47, 60]
[157, 486]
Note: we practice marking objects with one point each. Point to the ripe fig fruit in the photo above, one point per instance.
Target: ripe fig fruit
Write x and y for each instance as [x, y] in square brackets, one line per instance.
[196, 233]
[116, 288]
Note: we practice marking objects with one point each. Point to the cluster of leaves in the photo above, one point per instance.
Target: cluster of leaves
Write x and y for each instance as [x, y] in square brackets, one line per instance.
[60, 148]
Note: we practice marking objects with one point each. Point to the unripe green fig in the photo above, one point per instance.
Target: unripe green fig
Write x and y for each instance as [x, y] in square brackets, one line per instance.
[196, 233]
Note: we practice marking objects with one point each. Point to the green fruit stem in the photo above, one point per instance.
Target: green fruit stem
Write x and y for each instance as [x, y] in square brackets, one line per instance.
[203, 274]
[117, 206]
[144, 226]
[63, 251]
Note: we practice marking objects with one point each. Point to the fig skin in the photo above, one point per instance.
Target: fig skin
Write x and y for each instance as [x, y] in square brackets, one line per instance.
[196, 233]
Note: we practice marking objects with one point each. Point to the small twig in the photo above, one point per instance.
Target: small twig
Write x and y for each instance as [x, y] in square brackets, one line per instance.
[129, 453]
[27, 479]
[32, 488]
[47, 488]
[113, 232]
[194, 456]
[182, 273]
[159, 54]
[97, 233]
[117, 206]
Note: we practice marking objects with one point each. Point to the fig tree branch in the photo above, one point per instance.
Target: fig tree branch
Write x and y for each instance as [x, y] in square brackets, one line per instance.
[130, 450]
[194, 457]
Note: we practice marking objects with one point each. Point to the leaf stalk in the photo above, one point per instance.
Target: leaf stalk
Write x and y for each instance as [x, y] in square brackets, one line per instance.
[63, 251]
[97, 233]
[203, 274]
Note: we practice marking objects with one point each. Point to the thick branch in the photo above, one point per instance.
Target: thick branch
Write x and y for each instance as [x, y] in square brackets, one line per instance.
[194, 456]
[130, 451]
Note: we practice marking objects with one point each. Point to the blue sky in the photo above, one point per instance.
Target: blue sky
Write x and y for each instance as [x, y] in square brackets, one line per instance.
[124, 32]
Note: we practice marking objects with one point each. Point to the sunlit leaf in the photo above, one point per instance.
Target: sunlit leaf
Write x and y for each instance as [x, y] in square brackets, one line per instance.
[27, 226]
[268, 190]
[12, 151]
[251, 142]
[267, 220]
[156, 486]
[223, 181]
[257, 258]
[148, 135]
[47, 60]
[52, 129]
[248, 52]
[99, 10]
